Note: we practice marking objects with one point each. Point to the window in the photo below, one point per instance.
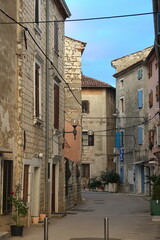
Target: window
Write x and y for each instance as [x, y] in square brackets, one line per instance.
[85, 106]
[56, 106]
[25, 183]
[84, 138]
[121, 83]
[56, 39]
[140, 98]
[122, 105]
[119, 139]
[151, 139]
[85, 170]
[37, 11]
[151, 99]
[150, 70]
[87, 140]
[157, 93]
[140, 135]
[139, 73]
[37, 89]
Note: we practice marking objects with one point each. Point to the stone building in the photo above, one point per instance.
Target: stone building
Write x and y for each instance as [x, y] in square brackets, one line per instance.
[73, 109]
[32, 105]
[98, 105]
[153, 111]
[132, 121]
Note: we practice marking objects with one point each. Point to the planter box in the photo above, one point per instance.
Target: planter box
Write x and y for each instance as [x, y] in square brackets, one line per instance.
[106, 188]
[16, 230]
[113, 187]
[155, 207]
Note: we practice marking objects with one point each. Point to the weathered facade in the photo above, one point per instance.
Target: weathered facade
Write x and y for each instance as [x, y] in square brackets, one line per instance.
[132, 121]
[73, 109]
[98, 105]
[153, 112]
[32, 105]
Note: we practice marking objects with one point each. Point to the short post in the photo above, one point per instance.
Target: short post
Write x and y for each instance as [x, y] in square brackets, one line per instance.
[106, 228]
[46, 228]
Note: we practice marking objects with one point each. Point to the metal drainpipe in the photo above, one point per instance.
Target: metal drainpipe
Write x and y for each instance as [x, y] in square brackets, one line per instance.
[47, 109]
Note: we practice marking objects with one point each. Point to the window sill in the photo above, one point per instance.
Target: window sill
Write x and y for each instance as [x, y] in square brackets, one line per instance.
[38, 121]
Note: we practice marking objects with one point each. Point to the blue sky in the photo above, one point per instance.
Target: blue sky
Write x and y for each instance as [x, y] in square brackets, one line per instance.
[112, 38]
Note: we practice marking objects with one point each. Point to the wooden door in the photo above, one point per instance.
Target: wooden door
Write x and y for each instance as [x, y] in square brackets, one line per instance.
[53, 188]
[7, 185]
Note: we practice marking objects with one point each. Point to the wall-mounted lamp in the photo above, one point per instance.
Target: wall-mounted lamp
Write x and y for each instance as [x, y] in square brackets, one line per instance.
[74, 123]
[90, 138]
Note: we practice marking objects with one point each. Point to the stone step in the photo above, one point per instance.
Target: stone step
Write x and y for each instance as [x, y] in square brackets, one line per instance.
[4, 235]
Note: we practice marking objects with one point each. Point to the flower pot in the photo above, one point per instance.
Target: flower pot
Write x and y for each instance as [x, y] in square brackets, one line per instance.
[35, 220]
[155, 207]
[42, 216]
[16, 230]
[106, 188]
[113, 187]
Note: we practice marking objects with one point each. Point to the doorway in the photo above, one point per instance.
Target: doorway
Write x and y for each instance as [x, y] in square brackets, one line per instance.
[53, 188]
[7, 185]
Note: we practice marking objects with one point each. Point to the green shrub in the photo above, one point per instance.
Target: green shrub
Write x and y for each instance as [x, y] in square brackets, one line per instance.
[110, 177]
[156, 193]
[94, 182]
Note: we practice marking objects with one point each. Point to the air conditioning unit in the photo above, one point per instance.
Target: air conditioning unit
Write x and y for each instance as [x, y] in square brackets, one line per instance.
[158, 135]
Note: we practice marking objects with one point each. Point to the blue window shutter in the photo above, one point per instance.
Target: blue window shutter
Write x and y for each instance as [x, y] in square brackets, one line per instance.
[140, 135]
[140, 99]
[117, 140]
[121, 174]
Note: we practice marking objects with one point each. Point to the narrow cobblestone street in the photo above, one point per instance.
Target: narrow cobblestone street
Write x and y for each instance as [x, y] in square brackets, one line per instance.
[129, 219]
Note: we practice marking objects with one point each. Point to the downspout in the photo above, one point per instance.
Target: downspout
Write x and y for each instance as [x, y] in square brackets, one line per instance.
[47, 110]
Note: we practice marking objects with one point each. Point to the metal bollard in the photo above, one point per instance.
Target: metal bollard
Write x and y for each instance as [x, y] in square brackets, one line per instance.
[46, 228]
[106, 228]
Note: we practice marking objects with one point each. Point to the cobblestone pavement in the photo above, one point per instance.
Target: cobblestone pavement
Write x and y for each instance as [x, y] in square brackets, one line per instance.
[129, 219]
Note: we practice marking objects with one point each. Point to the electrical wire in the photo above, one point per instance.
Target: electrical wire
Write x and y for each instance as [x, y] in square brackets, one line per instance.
[119, 128]
[27, 30]
[82, 19]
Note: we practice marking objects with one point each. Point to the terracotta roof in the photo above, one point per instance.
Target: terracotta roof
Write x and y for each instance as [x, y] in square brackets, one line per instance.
[91, 82]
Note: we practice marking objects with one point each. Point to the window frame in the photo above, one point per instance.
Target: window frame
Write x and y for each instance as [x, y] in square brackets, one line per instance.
[83, 171]
[122, 107]
[38, 94]
[87, 106]
[140, 74]
[37, 12]
[140, 98]
[140, 135]
[56, 36]
[151, 99]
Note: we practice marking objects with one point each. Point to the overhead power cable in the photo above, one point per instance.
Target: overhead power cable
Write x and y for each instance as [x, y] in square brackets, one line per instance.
[84, 19]
[27, 30]
[120, 128]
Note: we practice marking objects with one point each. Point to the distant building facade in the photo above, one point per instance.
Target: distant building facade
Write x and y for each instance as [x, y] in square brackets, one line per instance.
[98, 105]
[132, 121]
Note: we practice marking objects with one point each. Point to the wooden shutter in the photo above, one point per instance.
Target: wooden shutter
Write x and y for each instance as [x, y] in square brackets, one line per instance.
[140, 135]
[157, 93]
[151, 99]
[37, 11]
[37, 72]
[25, 183]
[56, 106]
[140, 98]
[56, 36]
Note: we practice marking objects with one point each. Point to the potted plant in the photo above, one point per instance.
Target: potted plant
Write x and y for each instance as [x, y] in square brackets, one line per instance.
[19, 211]
[94, 183]
[113, 180]
[155, 197]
